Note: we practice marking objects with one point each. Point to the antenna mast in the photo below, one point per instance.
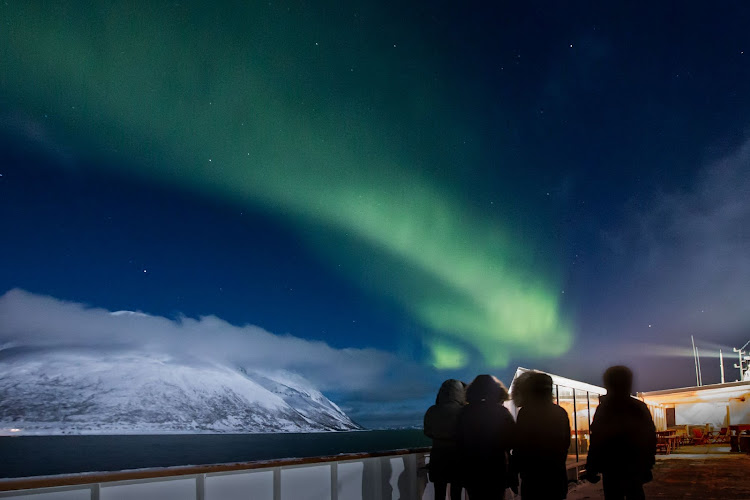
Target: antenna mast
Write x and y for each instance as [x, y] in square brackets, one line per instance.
[740, 353]
[700, 373]
[695, 359]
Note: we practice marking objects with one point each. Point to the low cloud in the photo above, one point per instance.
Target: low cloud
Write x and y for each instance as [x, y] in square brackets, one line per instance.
[691, 253]
[31, 320]
[679, 267]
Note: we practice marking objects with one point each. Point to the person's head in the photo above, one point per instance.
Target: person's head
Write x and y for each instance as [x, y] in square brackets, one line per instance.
[452, 390]
[486, 388]
[618, 380]
[532, 387]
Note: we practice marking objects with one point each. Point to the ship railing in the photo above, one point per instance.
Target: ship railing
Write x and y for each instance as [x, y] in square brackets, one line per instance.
[361, 476]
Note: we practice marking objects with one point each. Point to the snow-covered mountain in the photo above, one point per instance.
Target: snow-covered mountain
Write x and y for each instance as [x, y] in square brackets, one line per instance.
[88, 392]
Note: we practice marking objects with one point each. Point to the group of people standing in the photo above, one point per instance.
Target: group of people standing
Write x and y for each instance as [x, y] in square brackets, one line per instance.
[480, 447]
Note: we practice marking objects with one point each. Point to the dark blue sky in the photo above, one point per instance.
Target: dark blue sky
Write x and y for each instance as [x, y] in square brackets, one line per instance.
[466, 187]
[109, 242]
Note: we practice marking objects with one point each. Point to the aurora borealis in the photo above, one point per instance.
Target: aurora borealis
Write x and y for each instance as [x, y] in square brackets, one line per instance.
[211, 121]
[474, 174]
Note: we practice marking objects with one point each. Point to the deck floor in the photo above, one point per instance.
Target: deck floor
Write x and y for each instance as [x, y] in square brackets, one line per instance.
[705, 472]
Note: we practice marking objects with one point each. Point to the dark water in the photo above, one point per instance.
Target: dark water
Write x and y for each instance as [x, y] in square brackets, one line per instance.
[45, 455]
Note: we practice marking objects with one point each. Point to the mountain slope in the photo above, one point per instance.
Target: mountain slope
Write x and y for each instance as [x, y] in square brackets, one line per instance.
[79, 392]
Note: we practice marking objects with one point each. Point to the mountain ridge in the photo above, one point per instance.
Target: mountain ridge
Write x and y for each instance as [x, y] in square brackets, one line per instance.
[55, 391]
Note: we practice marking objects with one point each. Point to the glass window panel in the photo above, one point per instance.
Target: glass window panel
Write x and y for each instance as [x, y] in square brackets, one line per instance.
[582, 421]
[566, 403]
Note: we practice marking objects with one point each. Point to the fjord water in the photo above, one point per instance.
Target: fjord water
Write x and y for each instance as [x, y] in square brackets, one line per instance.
[25, 456]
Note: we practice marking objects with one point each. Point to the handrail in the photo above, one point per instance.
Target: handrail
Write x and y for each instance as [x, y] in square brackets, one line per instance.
[24, 483]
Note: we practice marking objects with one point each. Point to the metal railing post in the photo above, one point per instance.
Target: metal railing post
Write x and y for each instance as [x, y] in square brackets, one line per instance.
[277, 483]
[200, 487]
[575, 423]
[334, 481]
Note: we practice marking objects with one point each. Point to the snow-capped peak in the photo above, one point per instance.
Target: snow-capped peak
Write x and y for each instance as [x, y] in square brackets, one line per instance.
[93, 392]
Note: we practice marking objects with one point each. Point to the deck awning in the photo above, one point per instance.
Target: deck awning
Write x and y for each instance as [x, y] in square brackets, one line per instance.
[713, 393]
[567, 382]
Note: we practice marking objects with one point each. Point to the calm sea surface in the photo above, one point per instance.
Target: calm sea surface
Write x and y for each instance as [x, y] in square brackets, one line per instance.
[25, 456]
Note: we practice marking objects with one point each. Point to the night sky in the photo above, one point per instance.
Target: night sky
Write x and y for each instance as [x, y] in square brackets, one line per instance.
[443, 189]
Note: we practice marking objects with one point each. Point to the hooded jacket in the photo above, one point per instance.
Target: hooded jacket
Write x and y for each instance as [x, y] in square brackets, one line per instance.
[542, 438]
[541, 451]
[440, 424]
[486, 433]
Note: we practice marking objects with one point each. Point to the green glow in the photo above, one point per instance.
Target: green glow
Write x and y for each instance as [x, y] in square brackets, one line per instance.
[212, 109]
[447, 356]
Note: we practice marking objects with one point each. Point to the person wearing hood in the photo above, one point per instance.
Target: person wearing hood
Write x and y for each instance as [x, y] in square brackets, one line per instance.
[623, 439]
[440, 424]
[486, 433]
[542, 438]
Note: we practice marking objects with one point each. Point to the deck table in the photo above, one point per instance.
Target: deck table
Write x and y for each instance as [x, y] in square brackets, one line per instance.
[734, 435]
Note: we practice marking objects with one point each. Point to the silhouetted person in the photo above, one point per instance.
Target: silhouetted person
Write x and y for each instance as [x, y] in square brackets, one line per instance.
[542, 439]
[486, 432]
[441, 424]
[623, 439]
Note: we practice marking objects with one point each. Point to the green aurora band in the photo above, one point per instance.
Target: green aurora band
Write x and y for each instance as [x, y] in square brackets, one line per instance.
[231, 109]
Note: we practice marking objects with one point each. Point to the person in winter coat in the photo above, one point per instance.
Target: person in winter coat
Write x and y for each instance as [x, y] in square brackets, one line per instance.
[542, 439]
[440, 424]
[623, 439]
[486, 433]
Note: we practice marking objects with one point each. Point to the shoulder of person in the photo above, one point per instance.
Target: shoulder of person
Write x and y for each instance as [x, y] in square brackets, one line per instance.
[606, 403]
[451, 407]
[645, 412]
[640, 405]
[431, 411]
[559, 410]
[504, 411]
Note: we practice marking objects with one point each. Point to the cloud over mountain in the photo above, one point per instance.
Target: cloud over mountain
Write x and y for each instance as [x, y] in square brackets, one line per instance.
[34, 320]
